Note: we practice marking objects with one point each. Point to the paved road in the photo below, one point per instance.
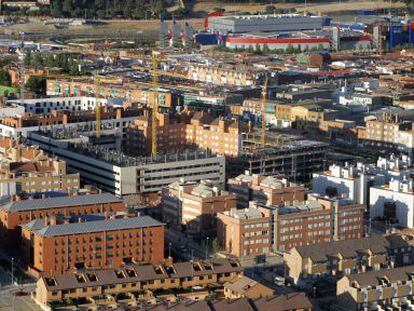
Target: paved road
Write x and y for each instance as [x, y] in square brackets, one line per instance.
[10, 302]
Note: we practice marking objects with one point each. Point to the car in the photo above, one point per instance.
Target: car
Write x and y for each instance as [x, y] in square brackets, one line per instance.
[279, 280]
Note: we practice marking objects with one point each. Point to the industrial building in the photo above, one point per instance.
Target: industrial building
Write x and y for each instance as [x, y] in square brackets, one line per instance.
[266, 23]
[115, 172]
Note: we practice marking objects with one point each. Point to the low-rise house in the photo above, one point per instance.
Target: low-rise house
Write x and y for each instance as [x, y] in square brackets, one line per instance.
[305, 264]
[244, 287]
[377, 290]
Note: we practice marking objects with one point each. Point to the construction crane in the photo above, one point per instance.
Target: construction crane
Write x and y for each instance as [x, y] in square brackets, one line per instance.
[22, 68]
[156, 58]
[264, 97]
[98, 105]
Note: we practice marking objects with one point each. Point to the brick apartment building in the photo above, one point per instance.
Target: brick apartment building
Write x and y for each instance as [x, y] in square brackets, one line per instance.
[186, 130]
[16, 213]
[196, 205]
[267, 190]
[262, 229]
[105, 242]
[27, 169]
[307, 263]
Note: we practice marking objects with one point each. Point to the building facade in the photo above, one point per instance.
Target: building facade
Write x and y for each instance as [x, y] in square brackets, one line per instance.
[55, 248]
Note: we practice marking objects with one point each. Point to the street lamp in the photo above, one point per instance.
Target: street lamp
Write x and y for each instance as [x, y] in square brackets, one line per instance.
[169, 249]
[12, 271]
[207, 247]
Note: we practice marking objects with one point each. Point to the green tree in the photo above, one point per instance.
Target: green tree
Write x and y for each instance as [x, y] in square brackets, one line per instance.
[215, 246]
[5, 78]
[36, 85]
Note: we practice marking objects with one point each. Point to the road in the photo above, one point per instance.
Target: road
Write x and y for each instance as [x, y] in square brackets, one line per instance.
[10, 302]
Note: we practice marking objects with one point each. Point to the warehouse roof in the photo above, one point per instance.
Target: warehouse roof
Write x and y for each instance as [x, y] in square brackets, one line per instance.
[98, 226]
[28, 205]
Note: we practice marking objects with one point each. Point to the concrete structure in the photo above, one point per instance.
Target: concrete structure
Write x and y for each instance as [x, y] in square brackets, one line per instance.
[54, 248]
[196, 205]
[353, 182]
[136, 278]
[260, 230]
[307, 263]
[297, 160]
[14, 213]
[394, 201]
[377, 290]
[267, 190]
[265, 23]
[115, 172]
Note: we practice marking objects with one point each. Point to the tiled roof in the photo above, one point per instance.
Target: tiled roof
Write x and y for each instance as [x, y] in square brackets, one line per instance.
[28, 205]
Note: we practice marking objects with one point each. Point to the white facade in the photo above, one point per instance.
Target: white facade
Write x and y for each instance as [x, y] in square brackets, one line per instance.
[400, 195]
[352, 182]
[11, 110]
[77, 103]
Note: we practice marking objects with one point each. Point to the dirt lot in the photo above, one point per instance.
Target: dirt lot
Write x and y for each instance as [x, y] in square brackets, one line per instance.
[208, 6]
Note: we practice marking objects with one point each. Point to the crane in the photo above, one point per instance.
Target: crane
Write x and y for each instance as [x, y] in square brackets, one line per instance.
[264, 96]
[156, 58]
[98, 106]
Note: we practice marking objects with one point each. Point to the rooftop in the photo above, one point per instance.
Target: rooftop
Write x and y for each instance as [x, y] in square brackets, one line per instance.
[59, 202]
[98, 226]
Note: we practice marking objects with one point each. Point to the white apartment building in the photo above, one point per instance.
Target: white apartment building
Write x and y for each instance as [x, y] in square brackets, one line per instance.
[352, 182]
[76, 103]
[394, 201]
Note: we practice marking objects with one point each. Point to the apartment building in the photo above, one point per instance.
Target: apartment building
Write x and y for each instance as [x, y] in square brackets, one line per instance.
[136, 278]
[394, 201]
[113, 171]
[245, 232]
[27, 169]
[223, 75]
[263, 229]
[16, 213]
[353, 182]
[196, 205]
[389, 131]
[305, 264]
[267, 190]
[377, 290]
[186, 130]
[56, 248]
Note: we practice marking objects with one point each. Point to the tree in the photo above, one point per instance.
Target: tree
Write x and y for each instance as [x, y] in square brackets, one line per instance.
[215, 246]
[5, 78]
[36, 85]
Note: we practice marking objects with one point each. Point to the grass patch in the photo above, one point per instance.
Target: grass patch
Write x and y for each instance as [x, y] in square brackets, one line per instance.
[6, 90]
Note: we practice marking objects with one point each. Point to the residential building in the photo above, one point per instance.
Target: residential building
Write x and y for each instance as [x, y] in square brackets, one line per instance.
[135, 278]
[394, 201]
[245, 287]
[296, 301]
[196, 205]
[113, 171]
[188, 129]
[267, 190]
[29, 170]
[263, 229]
[305, 264]
[377, 290]
[14, 213]
[105, 242]
[353, 182]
